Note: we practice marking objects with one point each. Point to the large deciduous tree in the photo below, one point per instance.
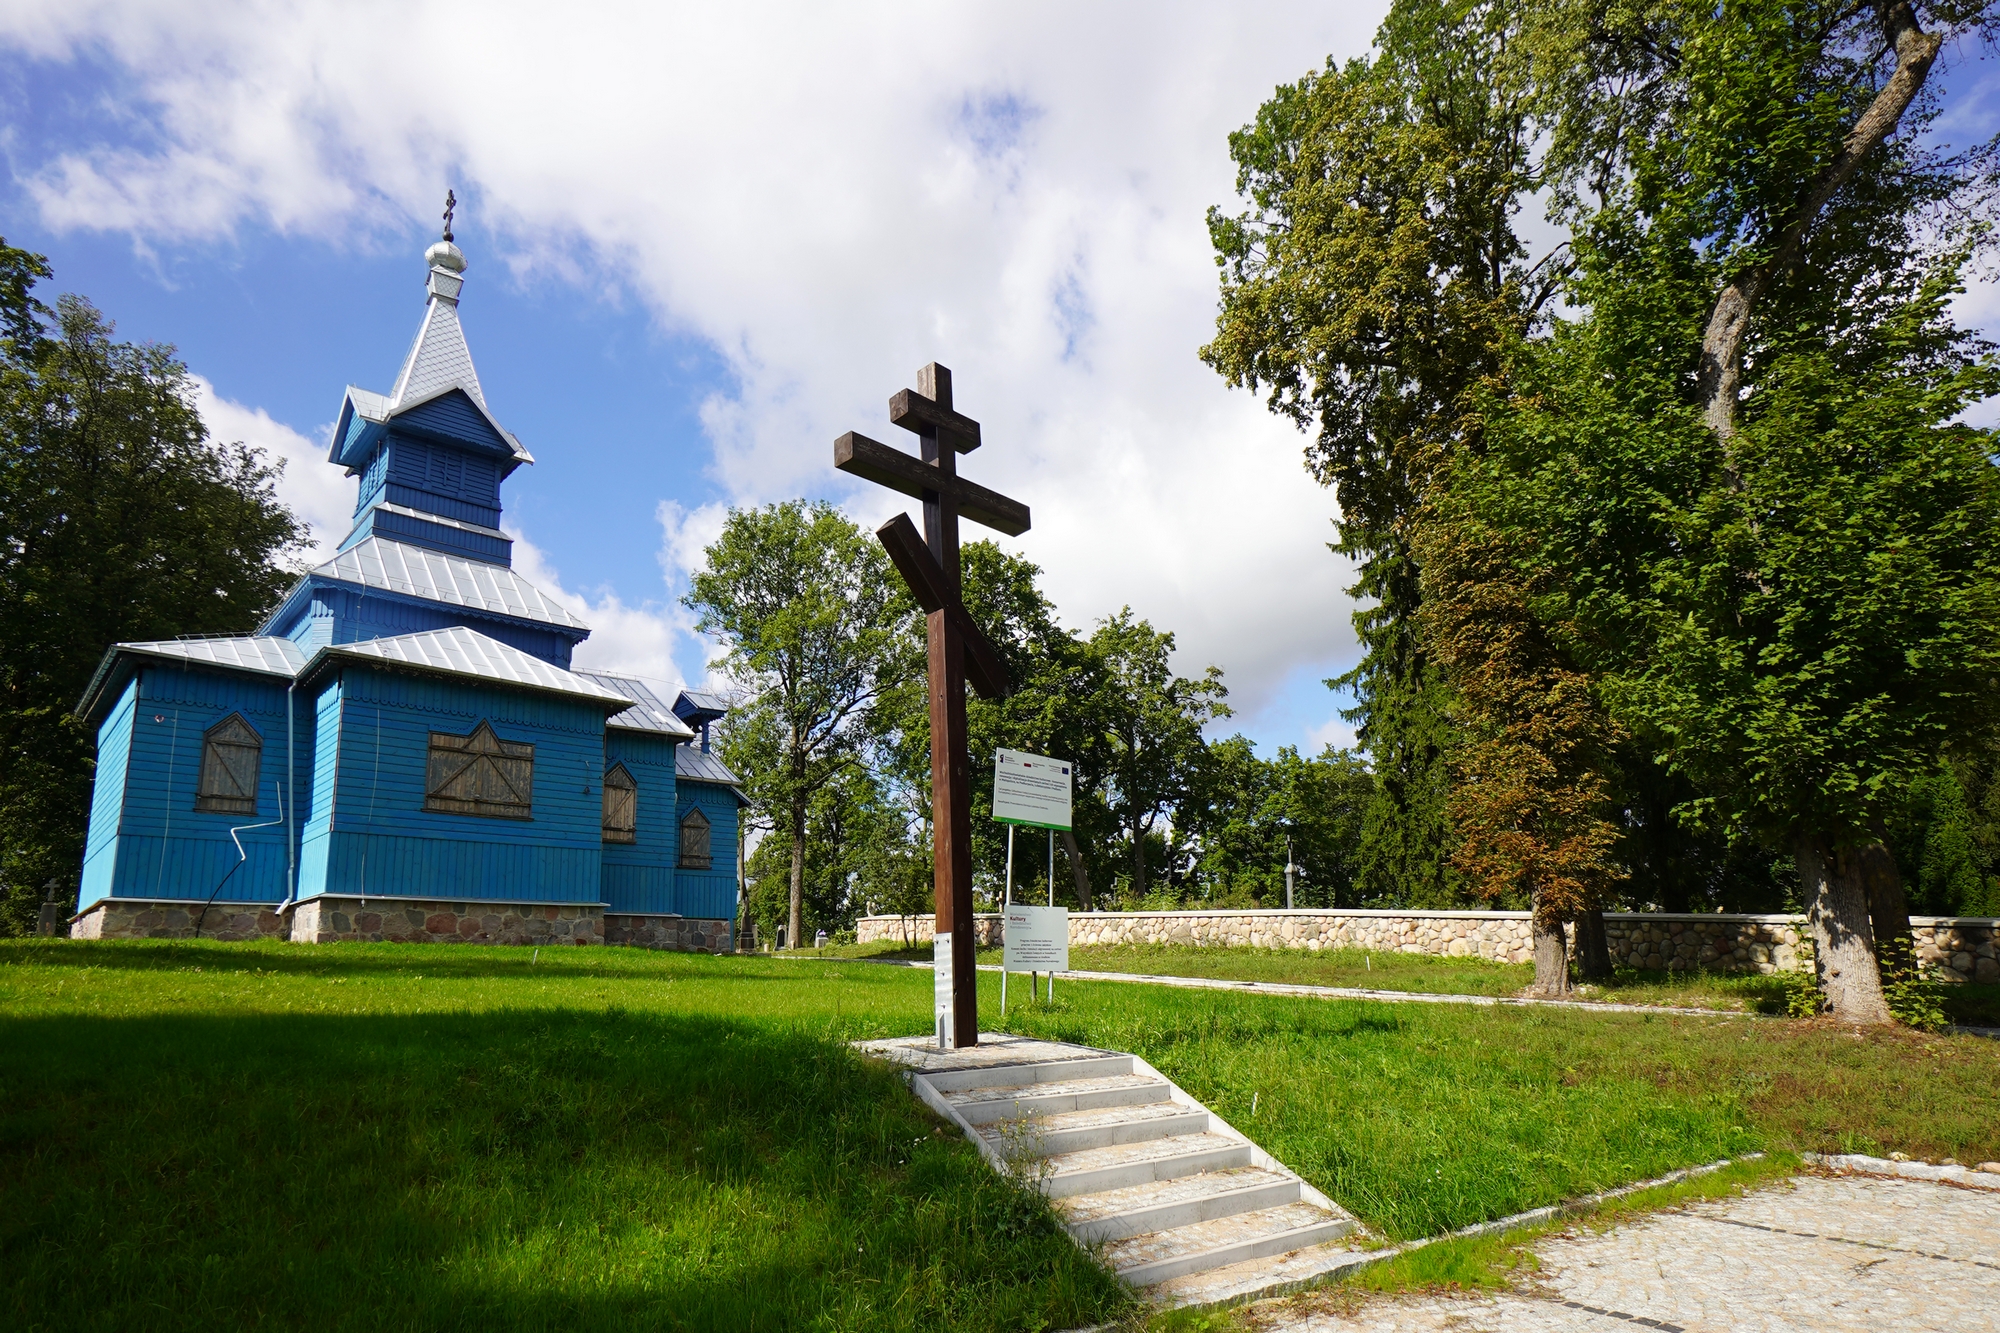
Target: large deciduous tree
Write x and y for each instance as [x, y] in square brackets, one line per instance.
[1152, 722]
[119, 520]
[815, 629]
[1738, 464]
[1375, 278]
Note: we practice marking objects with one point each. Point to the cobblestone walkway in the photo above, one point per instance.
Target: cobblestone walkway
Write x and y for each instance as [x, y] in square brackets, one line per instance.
[1814, 1253]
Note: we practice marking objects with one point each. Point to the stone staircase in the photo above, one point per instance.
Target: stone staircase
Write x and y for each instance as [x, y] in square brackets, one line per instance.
[1180, 1203]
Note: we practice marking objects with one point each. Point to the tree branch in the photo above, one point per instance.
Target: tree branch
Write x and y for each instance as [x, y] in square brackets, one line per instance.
[1722, 343]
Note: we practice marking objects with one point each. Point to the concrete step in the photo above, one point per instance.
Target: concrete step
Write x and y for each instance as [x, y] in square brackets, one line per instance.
[983, 1106]
[1073, 1131]
[1023, 1072]
[1162, 1205]
[1159, 1256]
[1091, 1170]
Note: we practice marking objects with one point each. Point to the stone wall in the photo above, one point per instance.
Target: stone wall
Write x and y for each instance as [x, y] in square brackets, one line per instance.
[1963, 947]
[143, 919]
[987, 929]
[329, 920]
[687, 934]
[1958, 948]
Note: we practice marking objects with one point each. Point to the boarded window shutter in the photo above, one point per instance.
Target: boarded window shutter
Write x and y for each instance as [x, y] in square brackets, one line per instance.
[231, 756]
[621, 806]
[694, 840]
[480, 774]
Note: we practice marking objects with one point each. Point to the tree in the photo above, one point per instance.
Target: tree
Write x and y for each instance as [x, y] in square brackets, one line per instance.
[1242, 812]
[1152, 723]
[119, 520]
[1375, 279]
[1776, 541]
[816, 628]
[1531, 799]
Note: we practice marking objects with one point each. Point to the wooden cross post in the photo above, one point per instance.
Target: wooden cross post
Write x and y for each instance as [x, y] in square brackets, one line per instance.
[959, 651]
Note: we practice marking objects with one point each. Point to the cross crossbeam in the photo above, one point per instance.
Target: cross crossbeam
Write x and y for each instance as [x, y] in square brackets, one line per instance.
[958, 650]
[886, 466]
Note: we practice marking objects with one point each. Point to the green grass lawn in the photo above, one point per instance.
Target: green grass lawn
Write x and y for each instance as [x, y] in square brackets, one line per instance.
[1427, 974]
[359, 1137]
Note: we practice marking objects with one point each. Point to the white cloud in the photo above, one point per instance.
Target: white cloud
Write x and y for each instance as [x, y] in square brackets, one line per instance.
[1335, 731]
[632, 640]
[321, 495]
[829, 196]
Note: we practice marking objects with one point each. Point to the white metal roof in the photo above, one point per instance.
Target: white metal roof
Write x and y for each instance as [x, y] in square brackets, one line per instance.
[700, 766]
[418, 571]
[647, 713]
[272, 656]
[438, 359]
[458, 651]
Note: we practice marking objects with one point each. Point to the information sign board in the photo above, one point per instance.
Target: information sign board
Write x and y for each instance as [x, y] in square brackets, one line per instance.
[1031, 789]
[1037, 939]
[943, 1009]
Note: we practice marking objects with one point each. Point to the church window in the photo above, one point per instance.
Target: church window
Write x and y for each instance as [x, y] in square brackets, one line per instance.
[694, 841]
[480, 774]
[621, 806]
[231, 754]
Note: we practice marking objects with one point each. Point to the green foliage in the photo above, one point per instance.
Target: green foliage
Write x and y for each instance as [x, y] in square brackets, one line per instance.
[816, 632]
[1153, 723]
[1374, 280]
[1242, 810]
[119, 520]
[1947, 836]
[1914, 998]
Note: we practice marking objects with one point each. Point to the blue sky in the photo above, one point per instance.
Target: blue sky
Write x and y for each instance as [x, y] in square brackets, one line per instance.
[703, 242]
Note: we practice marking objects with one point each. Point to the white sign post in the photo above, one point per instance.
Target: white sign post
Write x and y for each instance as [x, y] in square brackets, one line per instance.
[1032, 790]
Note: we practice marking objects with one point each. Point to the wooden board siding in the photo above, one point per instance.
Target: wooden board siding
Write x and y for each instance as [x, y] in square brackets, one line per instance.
[357, 617]
[378, 838]
[168, 849]
[436, 536]
[711, 892]
[638, 877]
[313, 841]
[452, 416]
[107, 798]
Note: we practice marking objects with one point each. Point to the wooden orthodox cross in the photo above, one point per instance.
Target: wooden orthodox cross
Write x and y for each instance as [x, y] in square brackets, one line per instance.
[959, 651]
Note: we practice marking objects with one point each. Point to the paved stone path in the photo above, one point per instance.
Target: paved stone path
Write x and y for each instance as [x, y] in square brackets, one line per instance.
[1813, 1253]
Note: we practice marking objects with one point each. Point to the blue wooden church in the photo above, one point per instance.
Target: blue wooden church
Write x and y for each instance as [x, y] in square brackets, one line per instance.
[402, 751]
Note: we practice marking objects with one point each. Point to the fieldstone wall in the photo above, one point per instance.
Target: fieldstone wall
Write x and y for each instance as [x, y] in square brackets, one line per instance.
[685, 934]
[1957, 948]
[330, 920]
[988, 929]
[1671, 942]
[142, 919]
[1964, 947]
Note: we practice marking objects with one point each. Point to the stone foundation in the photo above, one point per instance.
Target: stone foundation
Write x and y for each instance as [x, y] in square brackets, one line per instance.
[1956, 948]
[142, 919]
[330, 920]
[687, 934]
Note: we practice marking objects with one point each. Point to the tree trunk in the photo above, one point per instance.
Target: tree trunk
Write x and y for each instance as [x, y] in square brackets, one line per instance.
[1836, 892]
[1593, 950]
[1551, 953]
[797, 922]
[1138, 862]
[1888, 912]
[1077, 870]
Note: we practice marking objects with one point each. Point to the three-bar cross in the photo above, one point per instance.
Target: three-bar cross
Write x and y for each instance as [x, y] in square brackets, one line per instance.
[958, 650]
